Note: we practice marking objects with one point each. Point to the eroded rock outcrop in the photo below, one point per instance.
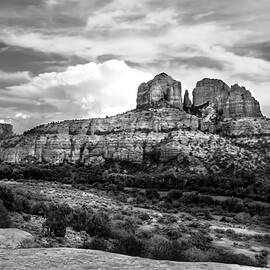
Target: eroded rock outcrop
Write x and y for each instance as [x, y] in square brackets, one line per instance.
[211, 91]
[162, 127]
[162, 87]
[230, 102]
[6, 130]
[187, 102]
[126, 136]
[240, 103]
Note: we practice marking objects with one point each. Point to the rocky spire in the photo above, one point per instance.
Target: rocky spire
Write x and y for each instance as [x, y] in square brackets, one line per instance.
[187, 102]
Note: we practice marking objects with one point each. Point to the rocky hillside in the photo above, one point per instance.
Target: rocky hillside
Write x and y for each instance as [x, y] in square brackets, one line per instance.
[162, 128]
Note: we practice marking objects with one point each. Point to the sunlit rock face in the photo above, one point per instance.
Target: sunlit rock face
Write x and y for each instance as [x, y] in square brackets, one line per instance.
[162, 87]
[241, 103]
[211, 91]
[6, 130]
[161, 126]
[128, 136]
[230, 102]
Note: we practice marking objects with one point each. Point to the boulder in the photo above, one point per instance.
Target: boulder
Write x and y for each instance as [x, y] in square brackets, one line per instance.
[15, 238]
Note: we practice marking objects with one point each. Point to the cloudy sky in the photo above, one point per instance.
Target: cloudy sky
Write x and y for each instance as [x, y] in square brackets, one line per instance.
[65, 59]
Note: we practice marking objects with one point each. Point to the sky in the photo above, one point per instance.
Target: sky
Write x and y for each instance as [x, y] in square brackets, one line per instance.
[73, 59]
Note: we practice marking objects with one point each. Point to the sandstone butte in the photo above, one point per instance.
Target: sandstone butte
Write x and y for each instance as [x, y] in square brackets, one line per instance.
[162, 125]
[69, 259]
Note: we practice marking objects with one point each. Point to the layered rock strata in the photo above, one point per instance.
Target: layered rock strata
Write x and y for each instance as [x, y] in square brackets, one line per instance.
[230, 102]
[162, 87]
[161, 127]
[128, 136]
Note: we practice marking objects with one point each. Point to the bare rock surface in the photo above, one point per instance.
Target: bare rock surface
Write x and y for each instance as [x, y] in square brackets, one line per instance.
[162, 87]
[230, 102]
[14, 238]
[133, 135]
[63, 258]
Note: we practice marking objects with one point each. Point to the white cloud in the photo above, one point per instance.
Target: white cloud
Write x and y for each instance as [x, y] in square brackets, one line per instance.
[22, 116]
[11, 78]
[82, 91]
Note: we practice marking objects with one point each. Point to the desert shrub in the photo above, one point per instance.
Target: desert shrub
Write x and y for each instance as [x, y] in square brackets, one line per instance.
[6, 171]
[4, 216]
[161, 248]
[96, 243]
[190, 197]
[129, 245]
[98, 224]
[152, 194]
[194, 254]
[172, 233]
[7, 197]
[39, 208]
[56, 222]
[79, 218]
[200, 240]
[174, 194]
[232, 258]
[21, 204]
[26, 217]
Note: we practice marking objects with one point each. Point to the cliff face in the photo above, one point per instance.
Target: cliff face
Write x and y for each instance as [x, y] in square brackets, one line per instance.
[6, 130]
[123, 137]
[159, 130]
[162, 87]
[230, 102]
[240, 103]
[211, 91]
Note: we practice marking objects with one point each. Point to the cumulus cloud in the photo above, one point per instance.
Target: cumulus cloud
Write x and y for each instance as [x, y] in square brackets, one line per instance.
[188, 39]
[22, 116]
[81, 91]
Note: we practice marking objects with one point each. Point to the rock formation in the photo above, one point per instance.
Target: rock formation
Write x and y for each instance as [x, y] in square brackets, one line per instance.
[159, 128]
[5, 131]
[234, 102]
[240, 103]
[187, 102]
[162, 87]
[211, 91]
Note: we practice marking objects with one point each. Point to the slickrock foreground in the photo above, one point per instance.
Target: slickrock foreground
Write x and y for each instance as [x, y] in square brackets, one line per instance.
[71, 259]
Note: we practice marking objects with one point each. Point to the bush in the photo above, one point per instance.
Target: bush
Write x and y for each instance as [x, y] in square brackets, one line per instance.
[8, 197]
[174, 194]
[152, 194]
[79, 218]
[129, 245]
[161, 248]
[56, 222]
[200, 240]
[96, 243]
[39, 208]
[98, 224]
[4, 217]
